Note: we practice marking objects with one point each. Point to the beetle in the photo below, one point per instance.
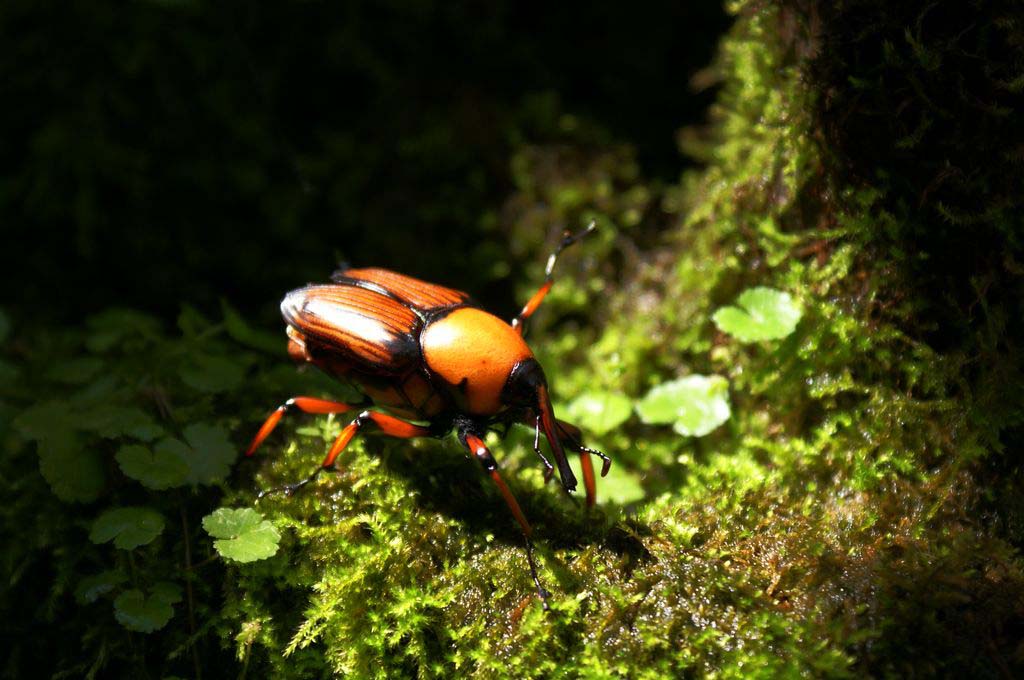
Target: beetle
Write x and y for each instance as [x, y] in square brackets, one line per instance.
[427, 353]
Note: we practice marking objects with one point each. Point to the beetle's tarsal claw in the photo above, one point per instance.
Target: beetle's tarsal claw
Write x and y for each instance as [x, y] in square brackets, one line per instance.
[541, 592]
[289, 489]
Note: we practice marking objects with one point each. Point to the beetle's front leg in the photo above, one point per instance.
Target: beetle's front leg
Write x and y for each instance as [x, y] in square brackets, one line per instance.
[570, 437]
[389, 425]
[477, 447]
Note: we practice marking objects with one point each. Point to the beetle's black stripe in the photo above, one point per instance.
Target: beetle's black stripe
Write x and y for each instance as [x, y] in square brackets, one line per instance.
[343, 280]
[419, 295]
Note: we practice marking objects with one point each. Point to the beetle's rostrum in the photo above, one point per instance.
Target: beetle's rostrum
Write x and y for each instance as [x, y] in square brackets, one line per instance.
[428, 353]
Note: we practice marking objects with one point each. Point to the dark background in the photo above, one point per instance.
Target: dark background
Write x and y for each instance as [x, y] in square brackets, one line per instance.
[159, 152]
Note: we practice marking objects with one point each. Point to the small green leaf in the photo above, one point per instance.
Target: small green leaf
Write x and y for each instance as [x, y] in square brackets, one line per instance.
[600, 412]
[137, 612]
[761, 314]
[111, 421]
[115, 326]
[212, 373]
[695, 405]
[127, 527]
[208, 453]
[153, 469]
[167, 591]
[242, 534]
[239, 329]
[91, 588]
[75, 371]
[44, 419]
[75, 474]
[620, 486]
[191, 322]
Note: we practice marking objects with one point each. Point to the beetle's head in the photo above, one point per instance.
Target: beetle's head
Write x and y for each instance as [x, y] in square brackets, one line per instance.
[527, 389]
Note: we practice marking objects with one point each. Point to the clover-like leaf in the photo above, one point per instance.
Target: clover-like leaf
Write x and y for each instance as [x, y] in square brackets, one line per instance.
[240, 330]
[91, 588]
[242, 534]
[761, 314]
[153, 469]
[694, 405]
[135, 611]
[212, 373]
[74, 473]
[75, 371]
[208, 453]
[45, 419]
[127, 527]
[112, 421]
[600, 412]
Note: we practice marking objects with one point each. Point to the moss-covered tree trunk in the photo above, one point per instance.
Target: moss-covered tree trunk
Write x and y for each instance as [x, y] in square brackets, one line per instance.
[853, 507]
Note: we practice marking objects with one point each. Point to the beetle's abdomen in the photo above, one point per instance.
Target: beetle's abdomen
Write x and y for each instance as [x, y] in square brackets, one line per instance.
[474, 353]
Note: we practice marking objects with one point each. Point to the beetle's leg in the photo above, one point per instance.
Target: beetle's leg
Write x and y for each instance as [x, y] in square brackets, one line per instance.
[571, 436]
[480, 450]
[567, 240]
[304, 404]
[389, 425]
[549, 470]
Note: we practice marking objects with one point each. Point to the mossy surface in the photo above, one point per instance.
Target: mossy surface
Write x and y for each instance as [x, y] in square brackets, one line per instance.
[858, 514]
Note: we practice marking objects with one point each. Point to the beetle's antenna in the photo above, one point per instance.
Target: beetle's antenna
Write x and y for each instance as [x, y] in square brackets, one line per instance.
[568, 239]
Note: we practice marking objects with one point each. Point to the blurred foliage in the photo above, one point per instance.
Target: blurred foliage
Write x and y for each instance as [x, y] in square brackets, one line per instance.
[169, 151]
[857, 512]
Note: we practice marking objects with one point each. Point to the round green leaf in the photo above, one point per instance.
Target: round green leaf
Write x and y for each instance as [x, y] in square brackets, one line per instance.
[127, 527]
[153, 469]
[694, 405]
[137, 612]
[600, 412]
[111, 421]
[75, 371]
[75, 474]
[208, 453]
[760, 314]
[239, 330]
[212, 373]
[46, 419]
[91, 588]
[242, 534]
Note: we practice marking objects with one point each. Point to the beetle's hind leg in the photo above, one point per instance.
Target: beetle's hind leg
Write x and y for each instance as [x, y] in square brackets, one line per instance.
[530, 307]
[304, 404]
[483, 454]
[389, 425]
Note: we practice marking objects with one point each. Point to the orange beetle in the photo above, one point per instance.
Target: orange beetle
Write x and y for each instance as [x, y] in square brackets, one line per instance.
[428, 353]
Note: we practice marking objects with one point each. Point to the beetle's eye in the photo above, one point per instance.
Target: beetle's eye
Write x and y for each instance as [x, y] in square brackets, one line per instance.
[523, 383]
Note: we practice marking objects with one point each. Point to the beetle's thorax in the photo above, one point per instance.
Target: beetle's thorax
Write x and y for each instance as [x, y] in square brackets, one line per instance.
[473, 353]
